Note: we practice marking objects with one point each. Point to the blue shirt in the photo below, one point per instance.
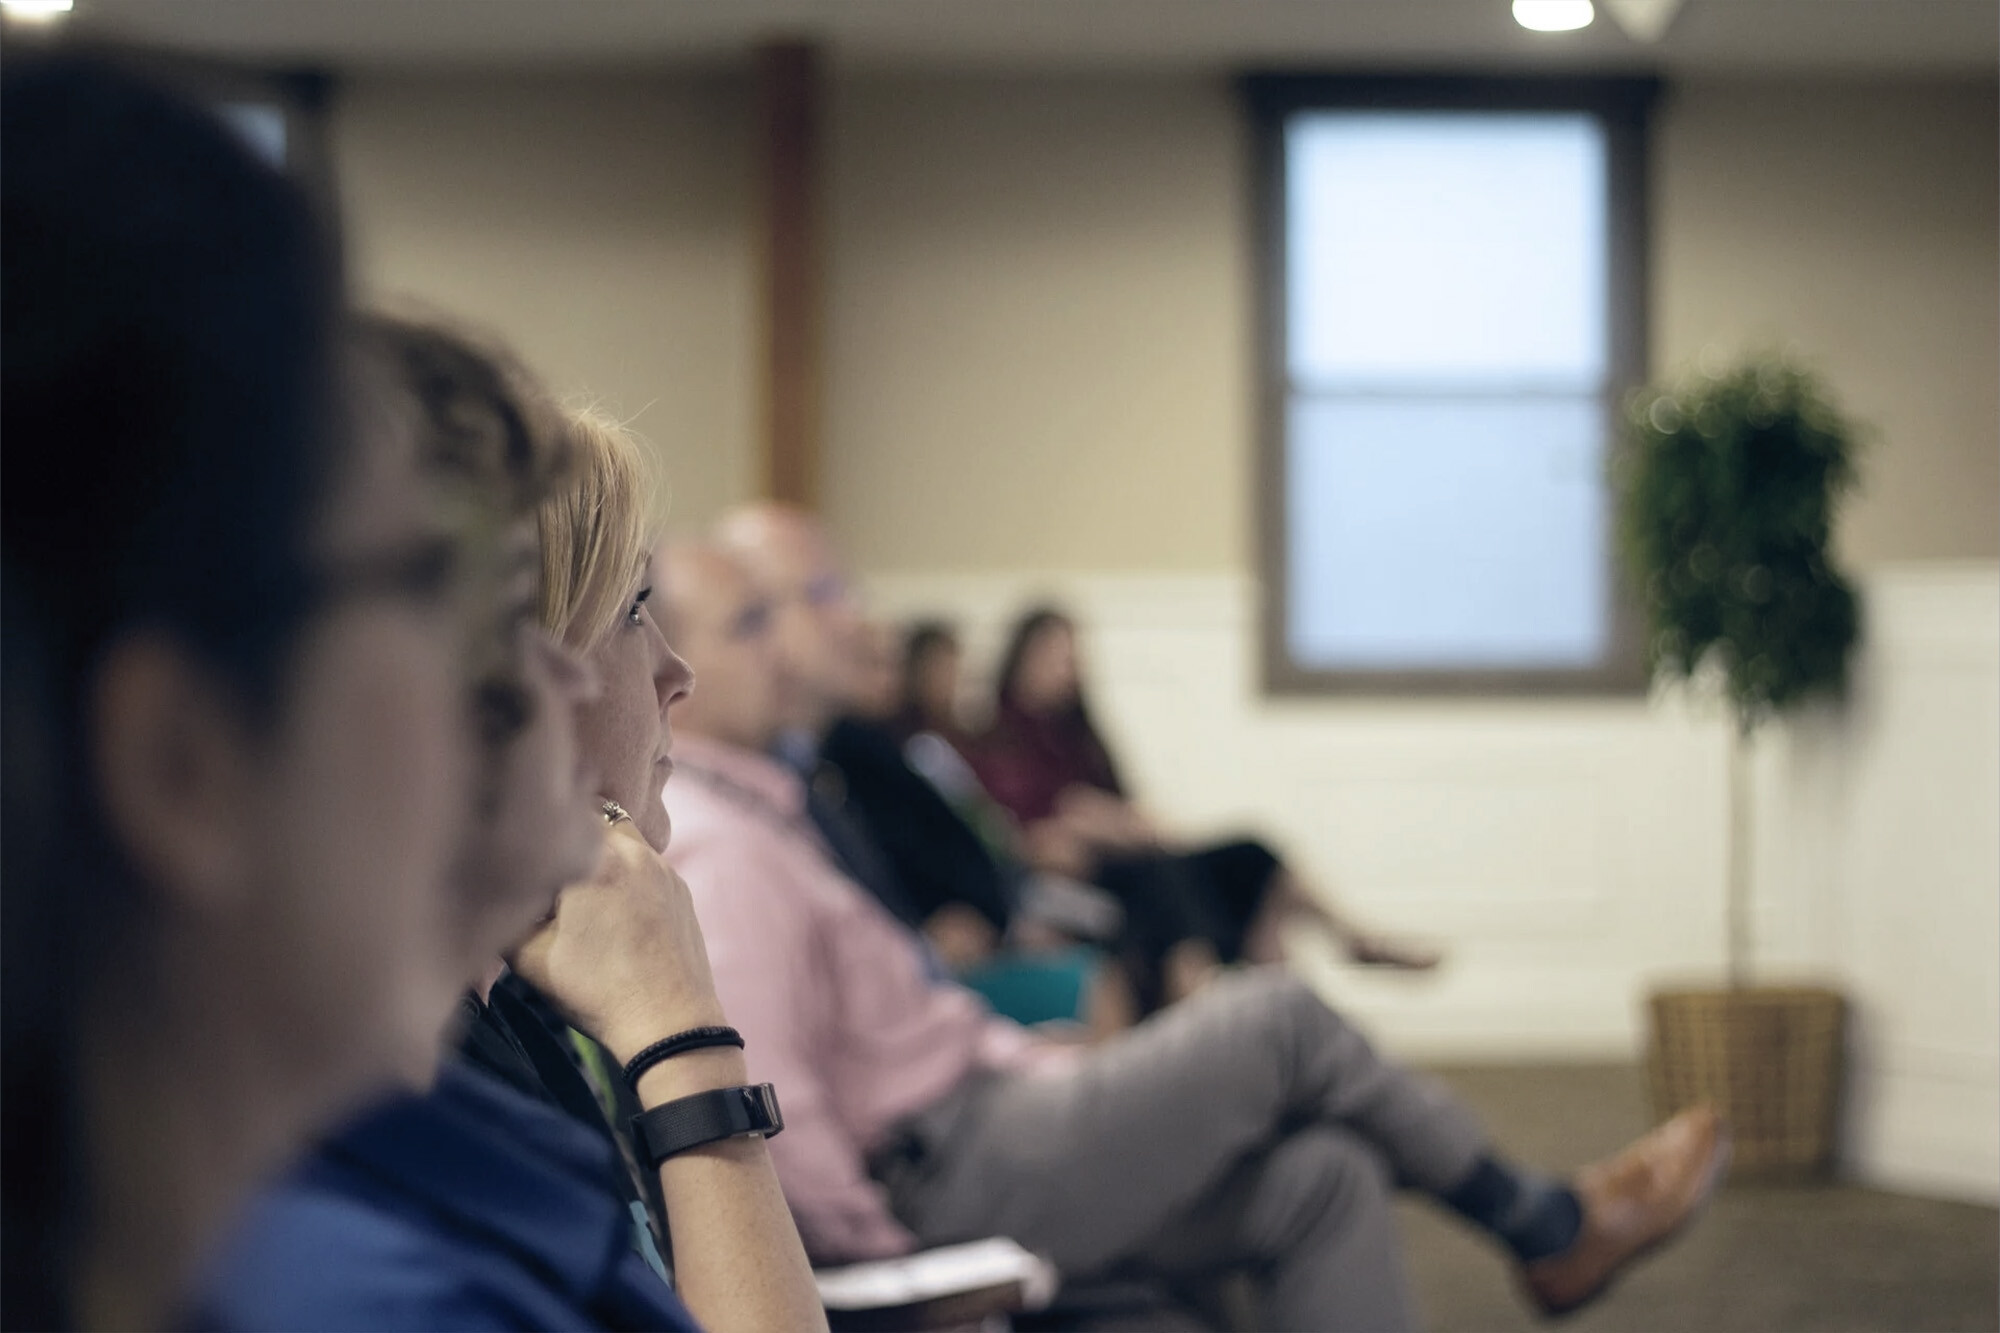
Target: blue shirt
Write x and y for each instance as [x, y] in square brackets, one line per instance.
[473, 1207]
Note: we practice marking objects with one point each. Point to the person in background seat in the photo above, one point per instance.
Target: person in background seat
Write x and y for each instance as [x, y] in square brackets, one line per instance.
[1193, 908]
[1025, 944]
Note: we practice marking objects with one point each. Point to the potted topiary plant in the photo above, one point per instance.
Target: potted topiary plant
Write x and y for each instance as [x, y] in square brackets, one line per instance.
[1729, 489]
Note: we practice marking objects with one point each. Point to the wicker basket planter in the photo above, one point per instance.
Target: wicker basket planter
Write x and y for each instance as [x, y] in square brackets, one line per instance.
[1768, 1057]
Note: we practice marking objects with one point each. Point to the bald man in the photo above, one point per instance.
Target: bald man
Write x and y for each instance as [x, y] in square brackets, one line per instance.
[713, 609]
[888, 826]
[1249, 1127]
[817, 626]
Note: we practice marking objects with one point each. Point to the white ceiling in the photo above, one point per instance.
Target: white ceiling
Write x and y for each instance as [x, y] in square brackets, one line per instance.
[1860, 36]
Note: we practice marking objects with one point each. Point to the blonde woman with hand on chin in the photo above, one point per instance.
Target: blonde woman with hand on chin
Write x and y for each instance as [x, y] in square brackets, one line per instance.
[623, 958]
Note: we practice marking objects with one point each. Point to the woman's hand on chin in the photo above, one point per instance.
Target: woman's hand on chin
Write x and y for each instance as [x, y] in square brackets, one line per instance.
[623, 958]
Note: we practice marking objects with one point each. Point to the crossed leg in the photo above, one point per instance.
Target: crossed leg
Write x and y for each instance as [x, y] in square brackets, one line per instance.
[1250, 1125]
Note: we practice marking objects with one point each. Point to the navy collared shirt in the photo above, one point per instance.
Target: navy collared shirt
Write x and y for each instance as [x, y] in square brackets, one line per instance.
[472, 1207]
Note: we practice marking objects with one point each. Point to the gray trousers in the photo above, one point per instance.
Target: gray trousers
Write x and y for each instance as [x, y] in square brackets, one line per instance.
[1249, 1127]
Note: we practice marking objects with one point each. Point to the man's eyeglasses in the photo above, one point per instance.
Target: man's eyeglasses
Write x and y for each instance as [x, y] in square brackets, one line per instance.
[752, 622]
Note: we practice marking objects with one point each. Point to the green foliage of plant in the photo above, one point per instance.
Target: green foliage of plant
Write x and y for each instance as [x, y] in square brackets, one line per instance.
[1730, 487]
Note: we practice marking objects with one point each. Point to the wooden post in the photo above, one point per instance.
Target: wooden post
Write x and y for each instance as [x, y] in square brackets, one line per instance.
[787, 148]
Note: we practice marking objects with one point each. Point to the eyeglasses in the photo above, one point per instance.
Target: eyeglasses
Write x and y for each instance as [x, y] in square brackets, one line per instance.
[423, 570]
[752, 622]
[824, 591]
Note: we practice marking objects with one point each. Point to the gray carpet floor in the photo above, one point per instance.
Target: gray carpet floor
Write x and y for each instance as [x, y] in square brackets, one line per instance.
[1830, 1259]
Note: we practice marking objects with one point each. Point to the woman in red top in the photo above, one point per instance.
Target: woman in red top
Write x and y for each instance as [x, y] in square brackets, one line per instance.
[1189, 909]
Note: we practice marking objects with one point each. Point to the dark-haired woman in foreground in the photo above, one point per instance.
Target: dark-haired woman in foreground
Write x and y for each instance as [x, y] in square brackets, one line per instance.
[1189, 910]
[234, 767]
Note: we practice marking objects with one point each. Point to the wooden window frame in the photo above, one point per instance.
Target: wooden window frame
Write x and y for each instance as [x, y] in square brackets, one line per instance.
[1623, 107]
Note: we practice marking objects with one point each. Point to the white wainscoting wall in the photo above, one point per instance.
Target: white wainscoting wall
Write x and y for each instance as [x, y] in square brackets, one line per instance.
[1571, 854]
[1879, 864]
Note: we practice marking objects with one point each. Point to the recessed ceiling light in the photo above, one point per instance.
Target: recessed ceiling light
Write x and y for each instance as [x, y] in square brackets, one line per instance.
[1554, 15]
[36, 11]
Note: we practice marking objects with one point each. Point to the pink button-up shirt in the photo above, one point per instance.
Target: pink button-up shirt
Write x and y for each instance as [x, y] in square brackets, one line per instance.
[830, 992]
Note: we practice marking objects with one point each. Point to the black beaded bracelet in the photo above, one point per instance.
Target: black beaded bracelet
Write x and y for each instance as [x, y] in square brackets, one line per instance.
[694, 1039]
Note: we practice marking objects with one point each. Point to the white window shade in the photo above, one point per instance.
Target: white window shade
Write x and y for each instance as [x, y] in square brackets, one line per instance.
[1446, 248]
[1448, 368]
[1446, 535]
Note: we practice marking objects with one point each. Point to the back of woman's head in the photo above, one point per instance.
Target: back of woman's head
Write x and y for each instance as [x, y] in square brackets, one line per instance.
[597, 529]
[168, 408]
[486, 427]
[495, 441]
[169, 417]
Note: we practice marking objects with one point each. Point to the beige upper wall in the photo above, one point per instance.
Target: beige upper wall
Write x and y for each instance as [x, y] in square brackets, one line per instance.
[1041, 307]
[1039, 297]
[1858, 221]
[596, 223]
[1037, 324]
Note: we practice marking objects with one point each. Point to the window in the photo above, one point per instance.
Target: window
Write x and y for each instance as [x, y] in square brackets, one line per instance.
[279, 114]
[1453, 316]
[261, 125]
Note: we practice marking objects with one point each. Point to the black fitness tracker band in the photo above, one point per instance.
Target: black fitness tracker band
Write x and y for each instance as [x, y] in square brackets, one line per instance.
[694, 1039]
[707, 1117]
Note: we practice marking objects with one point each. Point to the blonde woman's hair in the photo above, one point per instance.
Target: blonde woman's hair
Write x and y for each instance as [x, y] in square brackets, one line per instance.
[597, 528]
